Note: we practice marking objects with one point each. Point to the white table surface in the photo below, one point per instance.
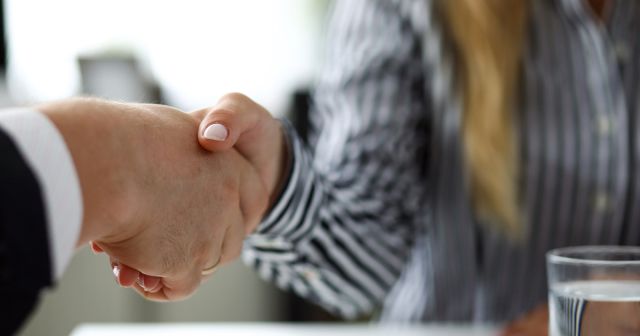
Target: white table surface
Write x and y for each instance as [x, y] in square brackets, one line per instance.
[277, 329]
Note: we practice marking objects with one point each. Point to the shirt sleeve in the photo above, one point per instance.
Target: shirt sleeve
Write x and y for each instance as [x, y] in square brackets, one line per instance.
[342, 229]
[45, 151]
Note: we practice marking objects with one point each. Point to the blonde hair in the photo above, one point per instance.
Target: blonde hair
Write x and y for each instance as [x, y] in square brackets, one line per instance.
[488, 38]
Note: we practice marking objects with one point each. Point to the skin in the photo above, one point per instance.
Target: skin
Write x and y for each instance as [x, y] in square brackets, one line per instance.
[147, 212]
[253, 132]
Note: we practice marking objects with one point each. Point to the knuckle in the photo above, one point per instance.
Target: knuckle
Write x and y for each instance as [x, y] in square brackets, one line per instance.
[234, 97]
[223, 113]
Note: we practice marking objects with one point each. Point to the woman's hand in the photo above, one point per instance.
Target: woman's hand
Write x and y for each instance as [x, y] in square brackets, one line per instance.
[238, 122]
[534, 323]
[153, 199]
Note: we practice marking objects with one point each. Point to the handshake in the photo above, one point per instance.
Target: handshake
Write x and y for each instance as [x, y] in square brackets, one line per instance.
[170, 196]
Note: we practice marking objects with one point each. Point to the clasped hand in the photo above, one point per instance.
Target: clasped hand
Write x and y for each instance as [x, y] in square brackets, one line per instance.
[162, 207]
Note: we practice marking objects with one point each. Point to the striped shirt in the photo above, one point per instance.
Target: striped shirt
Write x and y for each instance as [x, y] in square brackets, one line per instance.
[376, 211]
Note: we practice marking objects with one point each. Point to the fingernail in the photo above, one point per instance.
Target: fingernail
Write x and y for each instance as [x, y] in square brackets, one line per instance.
[92, 248]
[216, 132]
[116, 270]
[140, 282]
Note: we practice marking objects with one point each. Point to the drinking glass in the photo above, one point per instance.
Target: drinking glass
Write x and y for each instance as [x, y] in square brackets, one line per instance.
[594, 290]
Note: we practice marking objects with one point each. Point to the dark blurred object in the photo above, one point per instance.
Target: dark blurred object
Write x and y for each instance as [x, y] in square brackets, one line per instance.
[299, 112]
[300, 310]
[117, 77]
[5, 98]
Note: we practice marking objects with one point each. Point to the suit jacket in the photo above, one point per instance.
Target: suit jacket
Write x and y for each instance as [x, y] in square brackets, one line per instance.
[25, 264]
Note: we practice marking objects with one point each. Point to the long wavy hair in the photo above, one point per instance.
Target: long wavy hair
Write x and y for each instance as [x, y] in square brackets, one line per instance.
[488, 38]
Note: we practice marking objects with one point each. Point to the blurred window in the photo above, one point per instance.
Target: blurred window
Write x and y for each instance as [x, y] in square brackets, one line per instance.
[196, 50]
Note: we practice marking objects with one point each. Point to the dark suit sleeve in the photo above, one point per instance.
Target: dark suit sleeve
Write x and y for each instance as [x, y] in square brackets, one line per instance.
[25, 264]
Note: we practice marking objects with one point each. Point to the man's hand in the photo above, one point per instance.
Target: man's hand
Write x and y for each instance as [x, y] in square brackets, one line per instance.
[153, 199]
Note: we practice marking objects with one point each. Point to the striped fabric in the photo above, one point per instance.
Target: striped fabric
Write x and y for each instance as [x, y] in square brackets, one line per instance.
[376, 211]
[567, 316]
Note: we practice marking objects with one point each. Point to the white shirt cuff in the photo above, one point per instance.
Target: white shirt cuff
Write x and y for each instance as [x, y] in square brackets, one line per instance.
[45, 151]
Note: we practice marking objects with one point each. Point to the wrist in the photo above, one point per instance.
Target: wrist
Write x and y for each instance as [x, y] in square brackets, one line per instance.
[285, 160]
[93, 134]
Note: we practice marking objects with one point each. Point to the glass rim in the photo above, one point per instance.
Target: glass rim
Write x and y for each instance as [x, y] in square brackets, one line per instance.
[555, 256]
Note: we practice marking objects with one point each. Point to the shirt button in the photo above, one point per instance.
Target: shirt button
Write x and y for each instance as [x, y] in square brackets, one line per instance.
[601, 202]
[604, 125]
[310, 275]
[622, 52]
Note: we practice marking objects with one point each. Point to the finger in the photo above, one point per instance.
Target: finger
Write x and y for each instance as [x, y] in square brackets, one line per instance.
[136, 255]
[95, 247]
[180, 289]
[157, 288]
[173, 289]
[182, 285]
[156, 295]
[222, 125]
[153, 294]
[125, 275]
[148, 282]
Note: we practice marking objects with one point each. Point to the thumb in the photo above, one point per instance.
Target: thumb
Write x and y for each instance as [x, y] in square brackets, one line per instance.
[223, 125]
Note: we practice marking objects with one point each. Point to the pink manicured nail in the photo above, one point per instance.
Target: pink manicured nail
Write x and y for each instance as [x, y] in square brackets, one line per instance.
[216, 132]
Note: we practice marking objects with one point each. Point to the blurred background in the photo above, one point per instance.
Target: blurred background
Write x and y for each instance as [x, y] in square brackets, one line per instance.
[183, 53]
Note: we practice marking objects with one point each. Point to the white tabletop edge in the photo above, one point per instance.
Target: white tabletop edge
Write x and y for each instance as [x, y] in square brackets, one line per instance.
[279, 329]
